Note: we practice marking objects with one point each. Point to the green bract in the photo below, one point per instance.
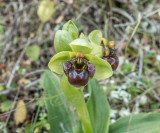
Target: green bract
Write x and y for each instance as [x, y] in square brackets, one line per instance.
[103, 68]
[71, 28]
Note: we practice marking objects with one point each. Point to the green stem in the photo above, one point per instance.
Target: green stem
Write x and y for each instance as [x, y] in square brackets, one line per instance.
[134, 31]
[77, 99]
[35, 120]
[40, 28]
[84, 115]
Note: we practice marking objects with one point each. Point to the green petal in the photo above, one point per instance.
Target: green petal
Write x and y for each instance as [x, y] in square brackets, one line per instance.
[81, 45]
[57, 61]
[71, 28]
[95, 36]
[103, 68]
[62, 40]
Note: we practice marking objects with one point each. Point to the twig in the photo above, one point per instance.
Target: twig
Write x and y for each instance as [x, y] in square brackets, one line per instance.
[140, 65]
[133, 23]
[137, 100]
[8, 112]
[34, 72]
[25, 87]
[17, 64]
[85, 10]
[152, 13]
[122, 12]
[13, 105]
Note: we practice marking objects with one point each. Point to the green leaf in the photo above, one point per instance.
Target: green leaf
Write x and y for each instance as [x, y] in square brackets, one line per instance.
[81, 45]
[6, 106]
[76, 97]
[140, 123]
[71, 28]
[58, 111]
[28, 128]
[62, 40]
[33, 52]
[98, 108]
[95, 36]
[103, 68]
[57, 61]
[127, 67]
[1, 29]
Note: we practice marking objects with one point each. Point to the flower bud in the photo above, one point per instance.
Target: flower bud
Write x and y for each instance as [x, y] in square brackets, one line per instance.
[45, 10]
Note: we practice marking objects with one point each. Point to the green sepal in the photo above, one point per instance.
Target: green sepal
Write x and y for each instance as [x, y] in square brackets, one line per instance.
[97, 50]
[103, 68]
[81, 45]
[71, 28]
[62, 40]
[57, 61]
[95, 36]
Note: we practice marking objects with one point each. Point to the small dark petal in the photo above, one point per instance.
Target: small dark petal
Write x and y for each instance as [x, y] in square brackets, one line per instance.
[78, 79]
[113, 61]
[91, 70]
[67, 66]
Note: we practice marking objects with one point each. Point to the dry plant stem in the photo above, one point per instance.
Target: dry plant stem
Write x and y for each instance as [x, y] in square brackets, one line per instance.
[34, 72]
[13, 105]
[8, 112]
[25, 87]
[85, 10]
[140, 64]
[17, 64]
[134, 31]
[7, 42]
[152, 13]
[12, 31]
[134, 22]
[137, 100]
